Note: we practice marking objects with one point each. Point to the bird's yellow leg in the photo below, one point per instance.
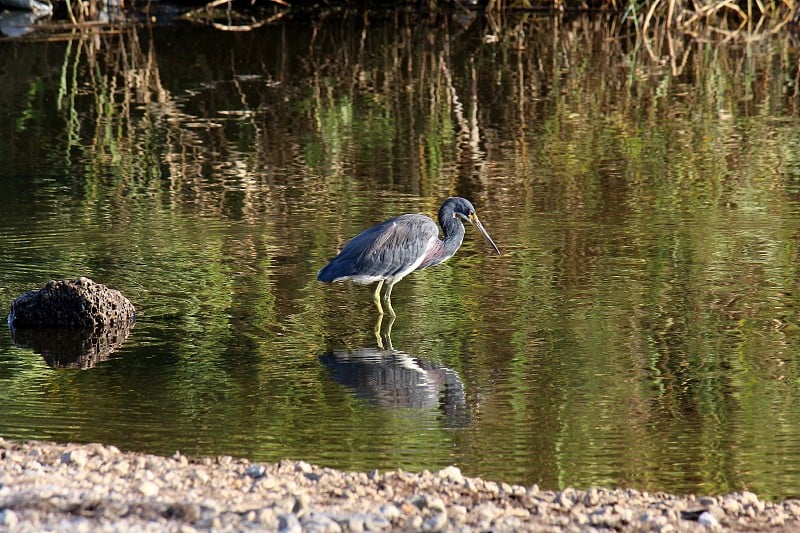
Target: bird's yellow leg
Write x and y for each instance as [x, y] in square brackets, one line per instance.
[377, 297]
[388, 299]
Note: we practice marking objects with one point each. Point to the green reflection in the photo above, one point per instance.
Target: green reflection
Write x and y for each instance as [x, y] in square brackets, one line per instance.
[641, 329]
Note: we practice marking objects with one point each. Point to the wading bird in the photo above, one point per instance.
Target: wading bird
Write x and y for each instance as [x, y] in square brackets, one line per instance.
[390, 251]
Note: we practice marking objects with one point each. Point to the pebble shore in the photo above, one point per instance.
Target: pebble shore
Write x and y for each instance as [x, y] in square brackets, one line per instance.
[69, 487]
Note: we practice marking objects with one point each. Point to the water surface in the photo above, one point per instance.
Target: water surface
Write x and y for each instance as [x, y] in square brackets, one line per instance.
[640, 329]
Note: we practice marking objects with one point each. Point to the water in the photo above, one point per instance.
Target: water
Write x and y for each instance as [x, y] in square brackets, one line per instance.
[639, 330]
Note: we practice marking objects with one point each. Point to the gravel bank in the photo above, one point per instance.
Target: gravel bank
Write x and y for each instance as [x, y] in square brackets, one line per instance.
[45, 486]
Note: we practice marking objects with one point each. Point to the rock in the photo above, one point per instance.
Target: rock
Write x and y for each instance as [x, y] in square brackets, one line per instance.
[75, 457]
[355, 523]
[301, 504]
[148, 488]
[376, 522]
[186, 512]
[707, 519]
[302, 466]
[706, 500]
[591, 497]
[288, 523]
[731, 506]
[78, 303]
[452, 474]
[319, 523]
[435, 522]
[389, 511]
[256, 471]
[51, 487]
[8, 518]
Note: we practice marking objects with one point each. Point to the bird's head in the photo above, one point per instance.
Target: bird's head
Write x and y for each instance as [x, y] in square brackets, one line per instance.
[463, 209]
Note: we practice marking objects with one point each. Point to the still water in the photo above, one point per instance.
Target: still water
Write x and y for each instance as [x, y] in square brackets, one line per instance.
[641, 328]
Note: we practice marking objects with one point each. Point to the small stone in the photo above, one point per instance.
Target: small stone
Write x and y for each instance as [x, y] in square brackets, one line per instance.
[777, 520]
[185, 512]
[419, 500]
[747, 497]
[75, 457]
[302, 466]
[436, 504]
[792, 507]
[565, 498]
[491, 487]
[319, 523]
[414, 523]
[148, 488]
[591, 498]
[705, 500]
[389, 511]
[122, 468]
[731, 506]
[435, 522]
[453, 474]
[376, 522]
[266, 518]
[707, 519]
[288, 523]
[301, 504]
[355, 523]
[256, 471]
[8, 518]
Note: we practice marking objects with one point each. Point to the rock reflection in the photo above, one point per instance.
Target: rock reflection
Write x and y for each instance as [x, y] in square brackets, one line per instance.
[391, 378]
[72, 347]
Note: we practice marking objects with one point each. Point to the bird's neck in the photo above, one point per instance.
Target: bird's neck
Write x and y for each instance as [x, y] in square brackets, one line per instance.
[453, 233]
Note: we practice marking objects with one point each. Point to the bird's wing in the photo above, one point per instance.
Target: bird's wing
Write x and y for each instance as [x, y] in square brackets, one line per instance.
[386, 250]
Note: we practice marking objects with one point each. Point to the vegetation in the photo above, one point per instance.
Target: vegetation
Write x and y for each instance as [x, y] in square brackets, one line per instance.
[651, 19]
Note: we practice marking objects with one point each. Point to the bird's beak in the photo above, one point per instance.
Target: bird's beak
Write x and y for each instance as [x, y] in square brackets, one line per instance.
[473, 218]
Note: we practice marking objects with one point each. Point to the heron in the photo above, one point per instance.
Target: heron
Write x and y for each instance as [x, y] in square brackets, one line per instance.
[390, 251]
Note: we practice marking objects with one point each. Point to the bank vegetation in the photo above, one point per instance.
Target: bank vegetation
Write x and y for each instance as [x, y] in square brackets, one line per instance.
[730, 19]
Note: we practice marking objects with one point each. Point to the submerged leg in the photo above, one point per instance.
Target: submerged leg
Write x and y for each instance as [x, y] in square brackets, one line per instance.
[388, 299]
[377, 297]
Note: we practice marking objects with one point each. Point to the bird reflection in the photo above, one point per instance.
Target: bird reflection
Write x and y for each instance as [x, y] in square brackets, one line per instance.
[391, 378]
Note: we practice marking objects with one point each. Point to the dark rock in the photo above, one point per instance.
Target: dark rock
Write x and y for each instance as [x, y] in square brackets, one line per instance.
[72, 303]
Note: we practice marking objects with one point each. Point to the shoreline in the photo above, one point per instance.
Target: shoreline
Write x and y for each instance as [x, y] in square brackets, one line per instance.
[95, 487]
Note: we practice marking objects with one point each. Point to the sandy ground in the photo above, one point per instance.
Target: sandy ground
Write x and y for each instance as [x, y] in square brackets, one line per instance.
[55, 487]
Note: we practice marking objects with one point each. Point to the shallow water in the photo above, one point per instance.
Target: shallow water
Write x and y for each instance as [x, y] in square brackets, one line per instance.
[639, 330]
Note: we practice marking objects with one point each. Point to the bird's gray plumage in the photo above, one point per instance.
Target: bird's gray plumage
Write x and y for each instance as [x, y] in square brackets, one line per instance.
[383, 251]
[389, 251]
